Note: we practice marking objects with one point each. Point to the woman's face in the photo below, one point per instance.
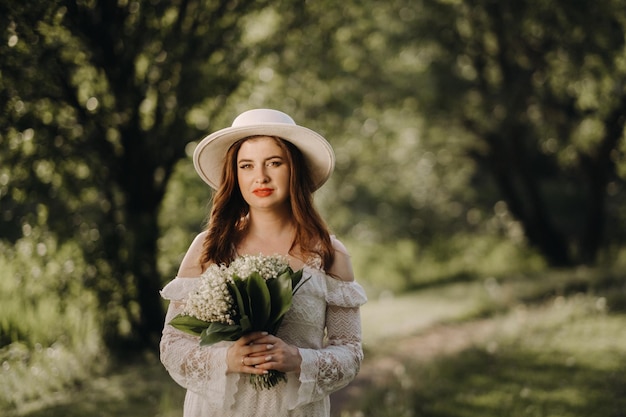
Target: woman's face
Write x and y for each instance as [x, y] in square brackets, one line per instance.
[263, 173]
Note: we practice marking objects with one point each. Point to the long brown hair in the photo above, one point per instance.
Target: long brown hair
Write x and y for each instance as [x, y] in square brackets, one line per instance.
[228, 219]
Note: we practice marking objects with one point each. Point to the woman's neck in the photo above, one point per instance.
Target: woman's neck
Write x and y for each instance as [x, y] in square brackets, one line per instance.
[269, 233]
[270, 226]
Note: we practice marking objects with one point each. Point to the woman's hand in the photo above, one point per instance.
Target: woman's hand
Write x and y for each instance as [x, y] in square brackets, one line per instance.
[258, 352]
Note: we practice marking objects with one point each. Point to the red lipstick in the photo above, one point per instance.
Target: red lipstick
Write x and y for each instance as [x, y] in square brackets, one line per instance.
[262, 192]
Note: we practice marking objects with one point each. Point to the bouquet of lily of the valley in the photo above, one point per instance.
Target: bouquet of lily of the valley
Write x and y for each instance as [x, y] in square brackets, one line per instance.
[253, 293]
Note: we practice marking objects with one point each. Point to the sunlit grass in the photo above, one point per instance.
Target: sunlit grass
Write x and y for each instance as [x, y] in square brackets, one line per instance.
[564, 357]
[49, 333]
[140, 389]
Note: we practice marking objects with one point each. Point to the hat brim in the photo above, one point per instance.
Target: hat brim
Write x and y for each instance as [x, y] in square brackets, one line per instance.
[209, 155]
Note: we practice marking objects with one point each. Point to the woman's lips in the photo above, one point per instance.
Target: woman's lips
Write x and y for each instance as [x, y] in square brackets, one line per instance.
[262, 192]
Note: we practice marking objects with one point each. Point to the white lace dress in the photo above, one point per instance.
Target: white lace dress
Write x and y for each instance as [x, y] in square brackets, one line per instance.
[324, 322]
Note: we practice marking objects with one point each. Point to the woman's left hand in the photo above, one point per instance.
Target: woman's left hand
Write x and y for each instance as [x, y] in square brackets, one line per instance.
[281, 357]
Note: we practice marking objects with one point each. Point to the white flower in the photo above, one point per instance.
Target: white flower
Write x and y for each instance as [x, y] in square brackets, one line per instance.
[267, 266]
[212, 302]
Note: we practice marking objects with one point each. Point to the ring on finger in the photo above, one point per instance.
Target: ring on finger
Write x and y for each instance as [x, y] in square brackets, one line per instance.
[242, 358]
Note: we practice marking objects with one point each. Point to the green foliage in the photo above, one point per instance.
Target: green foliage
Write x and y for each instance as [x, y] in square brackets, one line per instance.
[442, 110]
[403, 265]
[49, 329]
[95, 136]
[465, 131]
[190, 325]
[540, 87]
[422, 101]
[184, 208]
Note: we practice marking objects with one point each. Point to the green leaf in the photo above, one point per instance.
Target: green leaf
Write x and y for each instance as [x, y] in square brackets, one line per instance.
[238, 290]
[281, 296]
[295, 277]
[218, 332]
[259, 301]
[189, 324]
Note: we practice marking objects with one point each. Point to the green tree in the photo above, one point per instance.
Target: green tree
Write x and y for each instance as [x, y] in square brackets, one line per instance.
[99, 101]
[540, 86]
[424, 101]
[396, 177]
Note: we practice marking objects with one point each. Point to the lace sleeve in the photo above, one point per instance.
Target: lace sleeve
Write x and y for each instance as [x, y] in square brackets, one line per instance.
[201, 369]
[326, 370]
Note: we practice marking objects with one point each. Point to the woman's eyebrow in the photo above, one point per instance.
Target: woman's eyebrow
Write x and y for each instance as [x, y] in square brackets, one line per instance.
[266, 159]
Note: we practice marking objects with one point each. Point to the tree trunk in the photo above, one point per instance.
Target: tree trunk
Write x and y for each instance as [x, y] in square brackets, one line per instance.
[511, 167]
[148, 321]
[131, 292]
[143, 196]
[599, 169]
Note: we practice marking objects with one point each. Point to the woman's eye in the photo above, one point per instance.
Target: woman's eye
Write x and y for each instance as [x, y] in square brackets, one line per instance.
[274, 163]
[245, 166]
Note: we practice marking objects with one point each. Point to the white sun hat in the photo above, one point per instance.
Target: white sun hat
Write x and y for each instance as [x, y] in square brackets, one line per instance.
[208, 157]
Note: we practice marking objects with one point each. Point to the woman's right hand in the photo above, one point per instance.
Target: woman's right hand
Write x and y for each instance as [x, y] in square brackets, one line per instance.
[238, 356]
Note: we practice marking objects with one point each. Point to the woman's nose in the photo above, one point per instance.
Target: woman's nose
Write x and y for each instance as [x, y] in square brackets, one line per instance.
[261, 176]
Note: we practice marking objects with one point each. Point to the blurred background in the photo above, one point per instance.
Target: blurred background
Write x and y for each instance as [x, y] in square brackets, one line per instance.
[481, 165]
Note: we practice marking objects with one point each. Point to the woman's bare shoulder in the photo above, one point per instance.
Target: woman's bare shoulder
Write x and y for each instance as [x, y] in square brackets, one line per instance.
[191, 266]
[342, 266]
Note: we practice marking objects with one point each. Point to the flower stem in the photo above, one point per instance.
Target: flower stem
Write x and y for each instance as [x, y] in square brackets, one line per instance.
[267, 381]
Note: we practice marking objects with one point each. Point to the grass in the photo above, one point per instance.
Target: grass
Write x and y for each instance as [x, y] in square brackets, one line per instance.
[49, 335]
[563, 355]
[564, 359]
[139, 389]
[538, 346]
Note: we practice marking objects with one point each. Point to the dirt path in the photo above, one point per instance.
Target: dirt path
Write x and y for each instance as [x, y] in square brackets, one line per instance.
[439, 340]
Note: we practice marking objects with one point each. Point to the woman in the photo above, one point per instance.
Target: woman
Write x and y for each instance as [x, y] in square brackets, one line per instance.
[265, 169]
